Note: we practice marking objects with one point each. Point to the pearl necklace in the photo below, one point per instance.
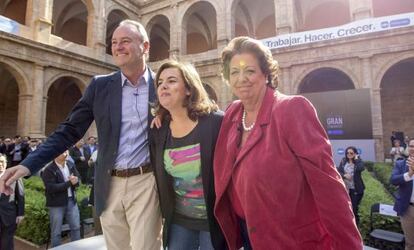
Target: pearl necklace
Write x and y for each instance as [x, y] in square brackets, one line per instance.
[245, 128]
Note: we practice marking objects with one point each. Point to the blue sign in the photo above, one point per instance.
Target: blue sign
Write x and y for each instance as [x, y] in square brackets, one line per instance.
[400, 22]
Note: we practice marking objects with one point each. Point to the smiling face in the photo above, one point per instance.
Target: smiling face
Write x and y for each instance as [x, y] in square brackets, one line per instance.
[128, 49]
[171, 89]
[246, 78]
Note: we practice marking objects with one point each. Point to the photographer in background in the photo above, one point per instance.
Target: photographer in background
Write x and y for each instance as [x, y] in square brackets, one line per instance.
[350, 168]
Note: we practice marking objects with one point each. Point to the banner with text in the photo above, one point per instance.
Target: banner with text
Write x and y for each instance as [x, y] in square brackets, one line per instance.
[345, 114]
[356, 28]
[9, 25]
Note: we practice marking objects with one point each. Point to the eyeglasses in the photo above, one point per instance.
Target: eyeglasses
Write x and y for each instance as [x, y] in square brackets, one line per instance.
[350, 153]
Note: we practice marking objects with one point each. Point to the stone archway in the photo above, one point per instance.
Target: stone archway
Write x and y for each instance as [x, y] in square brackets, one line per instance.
[159, 35]
[253, 18]
[9, 103]
[325, 79]
[70, 20]
[15, 10]
[62, 95]
[388, 8]
[199, 28]
[397, 93]
[319, 14]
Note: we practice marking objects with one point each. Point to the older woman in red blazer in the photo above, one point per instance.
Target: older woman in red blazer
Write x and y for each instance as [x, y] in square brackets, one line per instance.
[276, 183]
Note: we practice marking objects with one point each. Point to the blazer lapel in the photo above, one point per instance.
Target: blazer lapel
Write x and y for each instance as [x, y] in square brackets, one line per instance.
[152, 97]
[115, 106]
[58, 172]
[262, 120]
[205, 150]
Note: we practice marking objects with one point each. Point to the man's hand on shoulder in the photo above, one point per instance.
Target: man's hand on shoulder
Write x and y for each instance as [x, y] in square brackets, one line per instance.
[11, 175]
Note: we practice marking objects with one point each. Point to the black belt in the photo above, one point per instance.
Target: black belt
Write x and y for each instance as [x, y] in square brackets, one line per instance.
[132, 171]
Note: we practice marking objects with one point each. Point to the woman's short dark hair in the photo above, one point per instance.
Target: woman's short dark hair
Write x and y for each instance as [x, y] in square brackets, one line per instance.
[244, 44]
[197, 102]
[354, 149]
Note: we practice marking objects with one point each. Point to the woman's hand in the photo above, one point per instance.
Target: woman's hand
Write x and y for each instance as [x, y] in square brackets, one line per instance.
[348, 176]
[157, 122]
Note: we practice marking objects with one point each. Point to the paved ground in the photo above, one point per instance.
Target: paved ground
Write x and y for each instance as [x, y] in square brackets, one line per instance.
[22, 245]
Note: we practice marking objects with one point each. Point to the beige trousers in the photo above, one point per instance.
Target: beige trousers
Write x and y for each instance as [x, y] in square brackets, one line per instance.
[132, 217]
[407, 224]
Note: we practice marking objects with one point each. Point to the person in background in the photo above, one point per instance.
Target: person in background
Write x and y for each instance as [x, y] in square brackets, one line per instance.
[7, 150]
[2, 146]
[11, 210]
[350, 168]
[406, 141]
[19, 152]
[77, 152]
[33, 143]
[402, 176]
[61, 180]
[276, 183]
[182, 151]
[90, 145]
[397, 152]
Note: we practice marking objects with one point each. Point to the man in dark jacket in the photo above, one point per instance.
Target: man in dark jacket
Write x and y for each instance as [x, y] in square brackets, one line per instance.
[11, 211]
[402, 176]
[61, 178]
[80, 157]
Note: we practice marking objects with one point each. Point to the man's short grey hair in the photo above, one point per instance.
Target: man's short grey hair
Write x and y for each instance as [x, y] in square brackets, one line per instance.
[140, 28]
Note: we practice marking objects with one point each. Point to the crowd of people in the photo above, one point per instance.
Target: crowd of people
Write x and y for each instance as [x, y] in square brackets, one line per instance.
[259, 174]
[60, 176]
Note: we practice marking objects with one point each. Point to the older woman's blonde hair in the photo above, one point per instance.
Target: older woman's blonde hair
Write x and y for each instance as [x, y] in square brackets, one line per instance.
[197, 102]
[244, 44]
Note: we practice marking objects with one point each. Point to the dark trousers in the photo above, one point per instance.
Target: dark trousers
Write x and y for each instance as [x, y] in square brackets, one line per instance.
[6, 236]
[355, 200]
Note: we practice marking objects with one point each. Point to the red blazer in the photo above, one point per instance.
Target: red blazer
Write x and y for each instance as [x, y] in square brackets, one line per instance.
[291, 193]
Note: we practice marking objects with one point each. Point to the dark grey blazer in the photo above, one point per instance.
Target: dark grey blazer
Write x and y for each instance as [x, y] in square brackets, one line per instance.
[100, 102]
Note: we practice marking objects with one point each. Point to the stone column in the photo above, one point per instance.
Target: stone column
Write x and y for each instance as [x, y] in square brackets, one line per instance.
[97, 20]
[38, 106]
[40, 19]
[175, 33]
[360, 9]
[377, 129]
[285, 81]
[23, 122]
[366, 71]
[222, 24]
[376, 112]
[284, 16]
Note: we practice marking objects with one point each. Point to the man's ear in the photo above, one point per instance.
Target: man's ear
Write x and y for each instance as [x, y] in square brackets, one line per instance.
[146, 47]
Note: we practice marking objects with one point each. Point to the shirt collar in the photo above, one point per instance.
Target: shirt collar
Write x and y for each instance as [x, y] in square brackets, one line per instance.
[145, 75]
[60, 166]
